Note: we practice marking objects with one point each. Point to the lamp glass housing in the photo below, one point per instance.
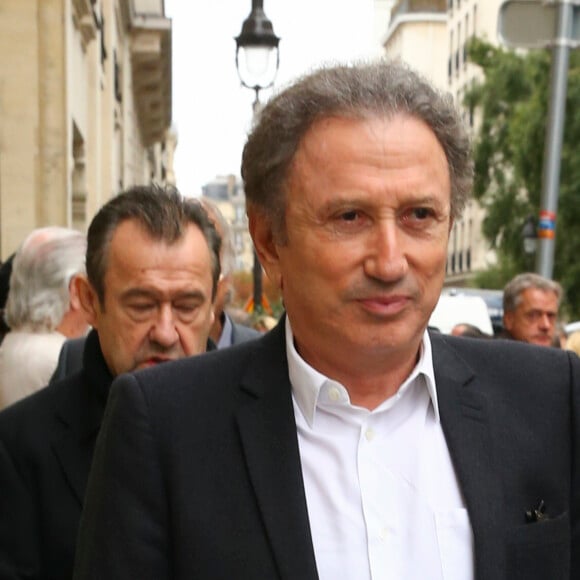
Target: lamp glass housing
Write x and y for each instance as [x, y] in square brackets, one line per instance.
[529, 235]
[257, 66]
[530, 245]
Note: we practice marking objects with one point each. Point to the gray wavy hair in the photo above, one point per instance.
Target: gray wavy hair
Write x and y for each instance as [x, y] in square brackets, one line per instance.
[512, 292]
[365, 90]
[42, 269]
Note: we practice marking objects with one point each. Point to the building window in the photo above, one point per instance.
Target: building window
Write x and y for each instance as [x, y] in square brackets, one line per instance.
[79, 180]
[101, 26]
[117, 79]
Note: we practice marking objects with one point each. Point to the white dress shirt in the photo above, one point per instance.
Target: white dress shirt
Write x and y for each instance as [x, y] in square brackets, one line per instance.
[382, 494]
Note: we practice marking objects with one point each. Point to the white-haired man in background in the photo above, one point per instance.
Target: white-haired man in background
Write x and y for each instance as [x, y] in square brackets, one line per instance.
[42, 309]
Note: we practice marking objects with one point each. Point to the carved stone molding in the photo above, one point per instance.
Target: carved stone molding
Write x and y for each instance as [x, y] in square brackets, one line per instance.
[84, 20]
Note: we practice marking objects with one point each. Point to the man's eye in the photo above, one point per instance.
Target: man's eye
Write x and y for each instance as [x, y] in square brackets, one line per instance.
[185, 307]
[421, 213]
[141, 306]
[349, 216]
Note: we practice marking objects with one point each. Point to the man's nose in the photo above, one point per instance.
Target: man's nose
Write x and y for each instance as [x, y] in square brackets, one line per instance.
[546, 320]
[164, 331]
[386, 258]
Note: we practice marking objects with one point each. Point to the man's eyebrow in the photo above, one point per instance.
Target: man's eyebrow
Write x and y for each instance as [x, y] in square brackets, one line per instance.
[150, 293]
[356, 201]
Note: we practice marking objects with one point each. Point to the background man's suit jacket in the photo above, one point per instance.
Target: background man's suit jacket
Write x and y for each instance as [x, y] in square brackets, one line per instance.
[46, 448]
[197, 468]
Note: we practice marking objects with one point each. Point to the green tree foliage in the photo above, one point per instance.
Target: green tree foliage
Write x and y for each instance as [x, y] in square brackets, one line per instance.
[508, 153]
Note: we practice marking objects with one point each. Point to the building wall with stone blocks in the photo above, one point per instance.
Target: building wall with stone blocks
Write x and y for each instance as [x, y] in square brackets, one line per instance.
[85, 108]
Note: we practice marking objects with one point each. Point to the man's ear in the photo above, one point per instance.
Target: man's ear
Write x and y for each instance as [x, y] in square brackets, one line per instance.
[508, 320]
[87, 299]
[261, 231]
[75, 303]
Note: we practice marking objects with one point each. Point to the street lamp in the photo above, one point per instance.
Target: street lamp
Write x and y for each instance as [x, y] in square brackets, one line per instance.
[257, 62]
[257, 54]
[530, 235]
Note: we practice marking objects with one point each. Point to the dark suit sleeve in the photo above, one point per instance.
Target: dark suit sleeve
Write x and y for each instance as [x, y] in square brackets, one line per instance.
[19, 554]
[124, 527]
[241, 333]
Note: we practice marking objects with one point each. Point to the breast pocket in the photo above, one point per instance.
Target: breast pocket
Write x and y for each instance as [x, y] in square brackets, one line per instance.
[540, 550]
[455, 540]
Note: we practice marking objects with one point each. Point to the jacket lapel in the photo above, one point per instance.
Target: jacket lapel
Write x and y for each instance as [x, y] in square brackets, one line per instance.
[270, 444]
[79, 412]
[464, 410]
[79, 415]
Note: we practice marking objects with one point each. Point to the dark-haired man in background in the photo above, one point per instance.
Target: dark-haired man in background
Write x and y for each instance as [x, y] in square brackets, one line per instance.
[152, 272]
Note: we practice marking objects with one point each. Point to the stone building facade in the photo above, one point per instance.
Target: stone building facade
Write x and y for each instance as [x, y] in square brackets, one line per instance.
[85, 108]
[416, 34]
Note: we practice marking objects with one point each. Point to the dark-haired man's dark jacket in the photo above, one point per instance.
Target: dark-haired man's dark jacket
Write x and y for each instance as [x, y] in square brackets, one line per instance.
[47, 442]
[46, 447]
[197, 470]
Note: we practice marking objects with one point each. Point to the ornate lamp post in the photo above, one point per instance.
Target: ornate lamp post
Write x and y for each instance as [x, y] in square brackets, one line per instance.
[257, 62]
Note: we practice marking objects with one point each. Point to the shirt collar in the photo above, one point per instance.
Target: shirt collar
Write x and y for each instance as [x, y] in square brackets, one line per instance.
[307, 382]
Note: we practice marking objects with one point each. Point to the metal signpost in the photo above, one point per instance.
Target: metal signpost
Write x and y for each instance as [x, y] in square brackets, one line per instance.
[541, 24]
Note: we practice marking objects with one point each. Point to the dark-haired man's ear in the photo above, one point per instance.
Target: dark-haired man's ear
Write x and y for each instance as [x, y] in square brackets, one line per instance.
[88, 299]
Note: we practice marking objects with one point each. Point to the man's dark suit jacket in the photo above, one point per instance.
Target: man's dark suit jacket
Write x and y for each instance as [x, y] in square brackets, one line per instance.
[46, 447]
[70, 359]
[242, 333]
[197, 469]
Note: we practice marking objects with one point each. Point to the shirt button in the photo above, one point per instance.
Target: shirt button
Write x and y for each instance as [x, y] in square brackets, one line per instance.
[370, 434]
[334, 394]
[383, 534]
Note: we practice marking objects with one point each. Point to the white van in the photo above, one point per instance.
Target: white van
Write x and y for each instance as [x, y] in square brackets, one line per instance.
[452, 310]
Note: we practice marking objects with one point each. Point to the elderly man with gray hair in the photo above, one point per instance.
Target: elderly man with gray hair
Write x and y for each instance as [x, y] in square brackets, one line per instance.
[42, 309]
[530, 308]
